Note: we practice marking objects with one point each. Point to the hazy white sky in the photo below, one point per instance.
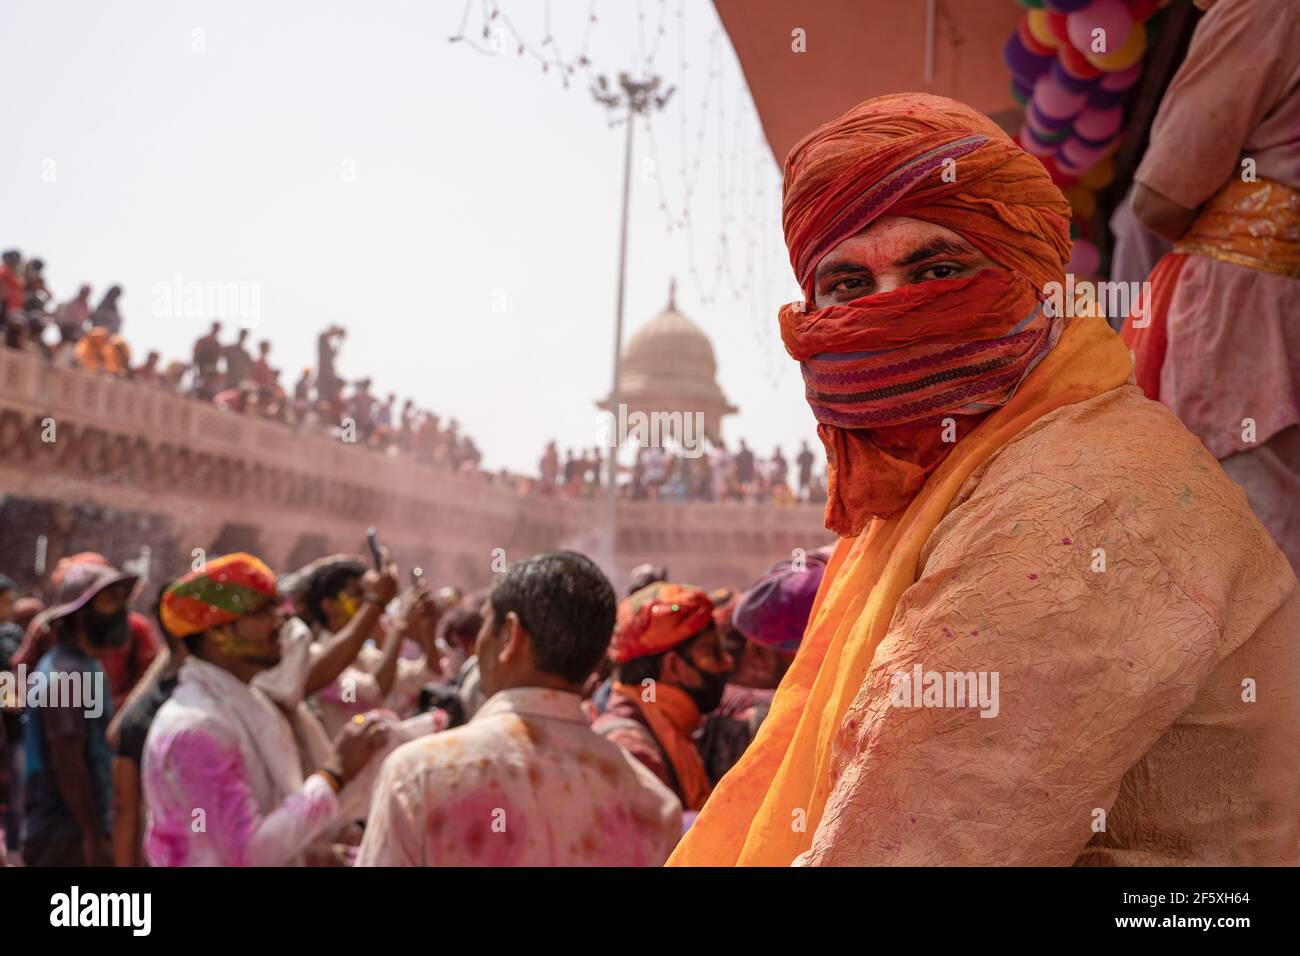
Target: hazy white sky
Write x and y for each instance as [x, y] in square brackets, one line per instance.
[458, 212]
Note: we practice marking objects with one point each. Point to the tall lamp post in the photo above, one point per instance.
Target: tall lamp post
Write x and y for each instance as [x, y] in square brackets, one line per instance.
[632, 98]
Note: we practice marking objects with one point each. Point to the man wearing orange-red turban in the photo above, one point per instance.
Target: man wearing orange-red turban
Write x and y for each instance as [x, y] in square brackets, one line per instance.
[1052, 631]
[670, 670]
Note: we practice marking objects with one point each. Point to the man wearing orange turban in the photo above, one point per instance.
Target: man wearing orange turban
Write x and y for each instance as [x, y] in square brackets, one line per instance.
[1052, 631]
[671, 669]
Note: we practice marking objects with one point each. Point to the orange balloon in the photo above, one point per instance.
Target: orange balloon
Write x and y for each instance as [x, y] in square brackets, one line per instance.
[1128, 53]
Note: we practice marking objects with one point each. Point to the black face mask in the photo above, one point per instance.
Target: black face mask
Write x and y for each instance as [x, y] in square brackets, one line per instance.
[106, 630]
[708, 695]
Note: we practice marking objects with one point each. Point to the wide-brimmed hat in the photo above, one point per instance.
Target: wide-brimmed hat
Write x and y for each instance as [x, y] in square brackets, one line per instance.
[79, 584]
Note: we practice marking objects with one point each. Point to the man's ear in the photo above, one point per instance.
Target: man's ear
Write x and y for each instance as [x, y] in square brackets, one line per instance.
[672, 668]
[514, 637]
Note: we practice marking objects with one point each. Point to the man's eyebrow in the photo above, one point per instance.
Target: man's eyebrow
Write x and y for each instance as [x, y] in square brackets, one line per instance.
[842, 267]
[932, 249]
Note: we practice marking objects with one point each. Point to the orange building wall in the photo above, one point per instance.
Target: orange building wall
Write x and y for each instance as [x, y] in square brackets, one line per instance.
[857, 49]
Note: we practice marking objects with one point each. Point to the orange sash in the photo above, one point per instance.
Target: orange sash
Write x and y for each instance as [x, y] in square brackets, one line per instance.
[1255, 225]
[673, 717]
[765, 811]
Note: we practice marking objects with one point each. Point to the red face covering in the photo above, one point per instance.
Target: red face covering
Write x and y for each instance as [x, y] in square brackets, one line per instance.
[896, 379]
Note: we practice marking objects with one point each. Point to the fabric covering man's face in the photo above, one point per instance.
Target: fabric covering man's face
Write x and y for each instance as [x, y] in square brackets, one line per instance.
[923, 239]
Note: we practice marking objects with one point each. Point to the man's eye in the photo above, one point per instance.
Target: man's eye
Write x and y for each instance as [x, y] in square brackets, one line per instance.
[944, 270]
[852, 284]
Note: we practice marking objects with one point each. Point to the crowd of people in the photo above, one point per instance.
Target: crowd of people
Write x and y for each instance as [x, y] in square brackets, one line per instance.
[239, 376]
[707, 474]
[230, 374]
[1058, 627]
[322, 718]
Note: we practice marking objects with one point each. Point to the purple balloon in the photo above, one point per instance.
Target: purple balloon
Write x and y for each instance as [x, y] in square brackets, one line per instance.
[1043, 121]
[1104, 99]
[1047, 133]
[1102, 144]
[1067, 6]
[1055, 100]
[1025, 64]
[1069, 81]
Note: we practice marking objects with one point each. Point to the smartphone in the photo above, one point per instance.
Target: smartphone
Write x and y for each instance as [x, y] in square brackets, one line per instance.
[372, 538]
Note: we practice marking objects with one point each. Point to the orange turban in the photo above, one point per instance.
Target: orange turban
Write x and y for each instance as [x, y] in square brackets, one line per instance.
[657, 618]
[888, 156]
[881, 371]
[896, 379]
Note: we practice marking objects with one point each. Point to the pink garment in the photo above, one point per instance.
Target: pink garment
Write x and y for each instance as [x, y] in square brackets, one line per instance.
[221, 778]
[525, 783]
[1234, 339]
[1143, 631]
[1270, 476]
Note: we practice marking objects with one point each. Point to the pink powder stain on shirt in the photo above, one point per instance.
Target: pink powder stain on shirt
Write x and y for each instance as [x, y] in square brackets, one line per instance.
[622, 836]
[492, 832]
[217, 784]
[166, 843]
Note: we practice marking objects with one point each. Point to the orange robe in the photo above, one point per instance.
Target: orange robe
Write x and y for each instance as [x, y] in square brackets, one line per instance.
[1143, 628]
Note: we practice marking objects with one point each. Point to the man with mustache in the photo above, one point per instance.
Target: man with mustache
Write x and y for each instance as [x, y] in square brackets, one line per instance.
[1010, 507]
[670, 670]
[221, 773]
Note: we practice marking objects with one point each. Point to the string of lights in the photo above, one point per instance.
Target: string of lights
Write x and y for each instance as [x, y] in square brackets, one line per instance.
[710, 127]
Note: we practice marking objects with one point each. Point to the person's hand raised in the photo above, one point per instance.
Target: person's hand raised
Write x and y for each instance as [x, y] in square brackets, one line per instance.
[359, 740]
[419, 615]
[380, 586]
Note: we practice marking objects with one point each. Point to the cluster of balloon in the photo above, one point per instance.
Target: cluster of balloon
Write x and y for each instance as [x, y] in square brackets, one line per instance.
[1071, 62]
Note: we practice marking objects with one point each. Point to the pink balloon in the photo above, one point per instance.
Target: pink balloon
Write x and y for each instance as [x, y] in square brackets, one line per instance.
[1045, 132]
[1079, 155]
[1033, 145]
[1110, 16]
[1084, 259]
[1096, 125]
[1121, 80]
[1067, 167]
[1055, 100]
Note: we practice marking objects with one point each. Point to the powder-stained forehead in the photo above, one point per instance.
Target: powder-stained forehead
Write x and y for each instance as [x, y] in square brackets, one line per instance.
[931, 158]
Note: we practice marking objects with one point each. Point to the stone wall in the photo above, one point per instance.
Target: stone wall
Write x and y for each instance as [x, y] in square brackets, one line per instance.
[198, 477]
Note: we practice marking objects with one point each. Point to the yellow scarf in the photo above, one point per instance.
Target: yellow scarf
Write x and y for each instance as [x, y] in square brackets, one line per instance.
[765, 811]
